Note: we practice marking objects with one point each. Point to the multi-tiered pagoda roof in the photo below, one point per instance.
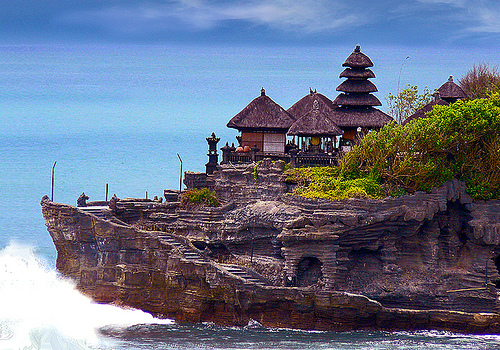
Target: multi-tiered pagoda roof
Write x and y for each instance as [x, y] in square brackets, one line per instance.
[355, 102]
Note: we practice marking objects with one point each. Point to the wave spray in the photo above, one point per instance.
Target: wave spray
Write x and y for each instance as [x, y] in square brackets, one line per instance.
[41, 310]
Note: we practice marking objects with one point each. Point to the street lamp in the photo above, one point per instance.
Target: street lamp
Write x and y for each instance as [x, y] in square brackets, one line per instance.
[180, 177]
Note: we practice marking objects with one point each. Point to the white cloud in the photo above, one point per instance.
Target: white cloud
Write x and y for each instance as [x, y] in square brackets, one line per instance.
[291, 15]
[456, 3]
[479, 16]
[456, 18]
[488, 20]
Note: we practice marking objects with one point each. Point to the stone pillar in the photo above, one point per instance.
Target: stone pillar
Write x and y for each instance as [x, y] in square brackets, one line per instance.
[213, 156]
[254, 151]
[293, 157]
[341, 270]
[225, 153]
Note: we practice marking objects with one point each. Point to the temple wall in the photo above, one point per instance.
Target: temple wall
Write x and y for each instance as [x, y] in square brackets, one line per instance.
[248, 183]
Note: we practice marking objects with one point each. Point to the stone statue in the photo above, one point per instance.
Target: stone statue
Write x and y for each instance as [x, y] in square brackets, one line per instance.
[112, 202]
[82, 200]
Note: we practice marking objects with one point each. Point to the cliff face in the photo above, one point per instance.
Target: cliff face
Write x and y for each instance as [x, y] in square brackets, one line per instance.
[428, 260]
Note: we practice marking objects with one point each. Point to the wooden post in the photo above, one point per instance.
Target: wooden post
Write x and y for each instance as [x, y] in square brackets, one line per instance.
[106, 192]
[52, 188]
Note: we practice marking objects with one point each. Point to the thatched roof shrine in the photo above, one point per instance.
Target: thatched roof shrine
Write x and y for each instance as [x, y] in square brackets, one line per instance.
[262, 114]
[447, 93]
[316, 122]
[305, 104]
[450, 91]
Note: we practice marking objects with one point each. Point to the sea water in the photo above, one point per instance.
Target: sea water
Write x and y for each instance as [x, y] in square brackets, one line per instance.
[119, 115]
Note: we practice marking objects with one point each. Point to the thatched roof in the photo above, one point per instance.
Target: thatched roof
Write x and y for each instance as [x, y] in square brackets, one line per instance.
[357, 59]
[357, 100]
[305, 104]
[357, 73]
[316, 122]
[450, 91]
[262, 114]
[429, 106]
[357, 86]
[364, 117]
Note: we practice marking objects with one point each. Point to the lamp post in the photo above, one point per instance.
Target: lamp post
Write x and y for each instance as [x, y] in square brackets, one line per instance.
[400, 70]
[180, 177]
[52, 187]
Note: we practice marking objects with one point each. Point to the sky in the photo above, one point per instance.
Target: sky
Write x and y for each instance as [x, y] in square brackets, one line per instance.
[177, 61]
[262, 22]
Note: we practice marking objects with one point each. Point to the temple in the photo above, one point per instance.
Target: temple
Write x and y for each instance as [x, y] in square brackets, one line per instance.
[321, 129]
[317, 131]
[354, 111]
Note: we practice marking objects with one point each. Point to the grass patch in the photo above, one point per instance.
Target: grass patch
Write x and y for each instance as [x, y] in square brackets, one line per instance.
[200, 197]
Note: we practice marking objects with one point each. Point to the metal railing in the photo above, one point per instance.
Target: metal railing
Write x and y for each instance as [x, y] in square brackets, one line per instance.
[295, 160]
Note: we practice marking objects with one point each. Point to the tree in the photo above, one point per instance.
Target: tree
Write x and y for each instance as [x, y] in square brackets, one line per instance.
[407, 102]
[480, 81]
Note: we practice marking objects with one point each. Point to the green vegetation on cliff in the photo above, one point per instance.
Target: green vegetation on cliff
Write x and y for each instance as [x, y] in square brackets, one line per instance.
[458, 141]
[200, 197]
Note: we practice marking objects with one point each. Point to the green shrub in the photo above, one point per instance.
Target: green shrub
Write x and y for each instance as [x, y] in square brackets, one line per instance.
[200, 197]
[460, 141]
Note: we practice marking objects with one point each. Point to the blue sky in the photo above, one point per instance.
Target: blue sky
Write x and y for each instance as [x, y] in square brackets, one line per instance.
[301, 22]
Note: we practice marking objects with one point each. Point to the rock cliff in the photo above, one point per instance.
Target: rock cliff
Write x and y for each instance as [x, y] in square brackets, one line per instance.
[427, 260]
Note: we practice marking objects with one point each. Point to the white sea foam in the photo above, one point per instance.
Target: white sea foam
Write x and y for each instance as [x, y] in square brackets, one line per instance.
[41, 310]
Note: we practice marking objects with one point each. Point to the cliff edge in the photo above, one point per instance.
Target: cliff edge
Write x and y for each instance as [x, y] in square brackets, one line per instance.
[422, 261]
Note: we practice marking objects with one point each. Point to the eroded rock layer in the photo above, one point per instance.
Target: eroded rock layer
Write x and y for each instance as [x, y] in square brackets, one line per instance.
[427, 260]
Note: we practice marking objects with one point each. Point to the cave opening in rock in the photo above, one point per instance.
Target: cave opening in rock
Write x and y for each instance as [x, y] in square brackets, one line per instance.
[199, 244]
[497, 265]
[308, 271]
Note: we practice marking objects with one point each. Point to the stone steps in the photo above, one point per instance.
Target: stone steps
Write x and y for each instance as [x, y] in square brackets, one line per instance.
[242, 273]
[99, 211]
[193, 256]
[187, 252]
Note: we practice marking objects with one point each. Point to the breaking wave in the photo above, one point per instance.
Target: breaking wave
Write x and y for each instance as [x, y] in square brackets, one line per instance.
[41, 310]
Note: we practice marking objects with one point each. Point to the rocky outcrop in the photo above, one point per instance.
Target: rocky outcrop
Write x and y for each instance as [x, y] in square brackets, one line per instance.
[427, 260]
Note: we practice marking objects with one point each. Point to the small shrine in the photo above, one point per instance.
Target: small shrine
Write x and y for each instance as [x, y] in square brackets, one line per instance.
[213, 156]
[263, 124]
[316, 130]
[451, 92]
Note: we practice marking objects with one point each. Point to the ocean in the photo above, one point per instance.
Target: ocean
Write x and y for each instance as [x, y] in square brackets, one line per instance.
[119, 115]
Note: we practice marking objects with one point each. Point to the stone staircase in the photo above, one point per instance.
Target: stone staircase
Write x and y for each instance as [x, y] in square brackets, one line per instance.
[99, 211]
[242, 273]
[187, 252]
[191, 255]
